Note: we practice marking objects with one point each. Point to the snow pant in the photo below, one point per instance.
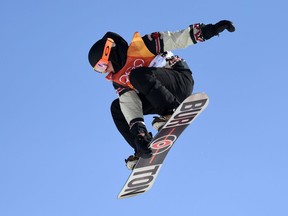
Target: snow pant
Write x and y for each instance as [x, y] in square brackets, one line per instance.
[160, 89]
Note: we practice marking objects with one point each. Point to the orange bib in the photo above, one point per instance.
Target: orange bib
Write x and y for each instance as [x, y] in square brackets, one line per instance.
[138, 55]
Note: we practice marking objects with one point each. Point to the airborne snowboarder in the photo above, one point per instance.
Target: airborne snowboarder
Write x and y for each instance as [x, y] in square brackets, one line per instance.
[148, 78]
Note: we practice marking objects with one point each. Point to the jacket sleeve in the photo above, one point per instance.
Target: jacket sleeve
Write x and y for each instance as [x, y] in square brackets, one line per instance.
[159, 42]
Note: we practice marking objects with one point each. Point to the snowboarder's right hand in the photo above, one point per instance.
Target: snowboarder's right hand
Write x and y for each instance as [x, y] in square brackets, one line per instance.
[142, 139]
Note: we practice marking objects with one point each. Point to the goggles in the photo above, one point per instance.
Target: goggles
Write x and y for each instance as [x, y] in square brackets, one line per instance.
[102, 65]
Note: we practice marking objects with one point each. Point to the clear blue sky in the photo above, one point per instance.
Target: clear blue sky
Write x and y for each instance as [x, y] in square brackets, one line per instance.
[60, 153]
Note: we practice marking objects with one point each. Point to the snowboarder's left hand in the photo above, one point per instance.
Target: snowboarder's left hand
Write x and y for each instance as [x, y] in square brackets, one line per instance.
[211, 30]
[224, 24]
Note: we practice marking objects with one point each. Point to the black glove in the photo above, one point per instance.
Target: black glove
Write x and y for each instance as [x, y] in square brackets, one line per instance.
[142, 138]
[211, 30]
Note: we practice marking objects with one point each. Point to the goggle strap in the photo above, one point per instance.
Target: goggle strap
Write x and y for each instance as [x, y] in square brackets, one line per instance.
[107, 49]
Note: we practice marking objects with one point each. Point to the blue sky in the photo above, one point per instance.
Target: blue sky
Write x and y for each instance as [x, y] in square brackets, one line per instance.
[60, 153]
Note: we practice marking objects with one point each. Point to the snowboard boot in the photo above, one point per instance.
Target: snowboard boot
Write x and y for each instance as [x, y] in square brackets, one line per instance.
[131, 161]
[159, 121]
[142, 139]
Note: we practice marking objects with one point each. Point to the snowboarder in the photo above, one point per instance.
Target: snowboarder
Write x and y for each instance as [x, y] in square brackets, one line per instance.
[148, 78]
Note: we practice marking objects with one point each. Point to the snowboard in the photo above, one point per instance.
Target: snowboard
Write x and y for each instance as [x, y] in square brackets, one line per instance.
[145, 171]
